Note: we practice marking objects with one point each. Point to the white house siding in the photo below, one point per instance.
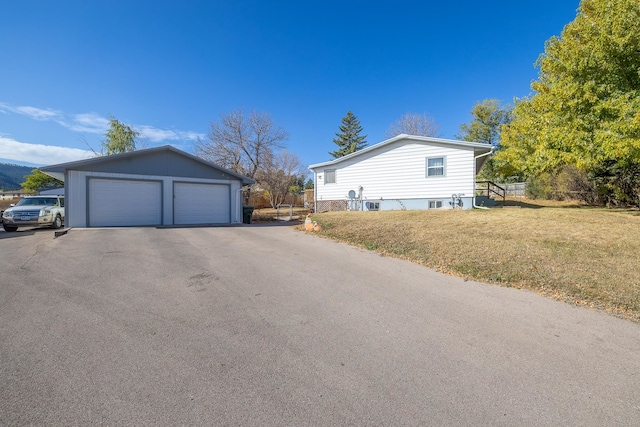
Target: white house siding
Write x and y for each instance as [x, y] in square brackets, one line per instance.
[398, 171]
[76, 194]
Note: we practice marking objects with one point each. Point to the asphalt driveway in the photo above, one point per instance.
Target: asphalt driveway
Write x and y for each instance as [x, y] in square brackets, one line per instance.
[271, 326]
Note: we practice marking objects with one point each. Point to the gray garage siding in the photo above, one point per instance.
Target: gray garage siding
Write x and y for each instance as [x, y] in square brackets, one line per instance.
[76, 183]
[163, 163]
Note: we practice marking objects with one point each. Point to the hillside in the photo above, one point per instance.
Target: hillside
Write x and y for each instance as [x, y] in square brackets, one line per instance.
[11, 176]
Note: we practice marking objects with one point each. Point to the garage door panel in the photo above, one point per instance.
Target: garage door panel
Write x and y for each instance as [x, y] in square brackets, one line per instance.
[117, 202]
[199, 203]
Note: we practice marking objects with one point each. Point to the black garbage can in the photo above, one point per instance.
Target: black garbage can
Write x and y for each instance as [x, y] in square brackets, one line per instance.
[247, 213]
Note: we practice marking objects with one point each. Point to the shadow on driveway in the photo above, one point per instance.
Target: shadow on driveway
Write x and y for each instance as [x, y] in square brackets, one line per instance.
[23, 232]
[253, 224]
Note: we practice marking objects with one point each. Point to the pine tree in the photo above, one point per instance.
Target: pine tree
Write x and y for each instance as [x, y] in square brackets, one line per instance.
[349, 139]
[309, 184]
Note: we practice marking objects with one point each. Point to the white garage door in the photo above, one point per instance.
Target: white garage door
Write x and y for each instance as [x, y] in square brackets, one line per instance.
[201, 203]
[118, 202]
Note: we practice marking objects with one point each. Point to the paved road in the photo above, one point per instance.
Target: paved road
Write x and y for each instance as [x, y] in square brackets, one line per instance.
[266, 326]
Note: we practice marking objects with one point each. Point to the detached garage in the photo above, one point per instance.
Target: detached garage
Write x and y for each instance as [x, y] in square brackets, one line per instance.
[156, 186]
[211, 201]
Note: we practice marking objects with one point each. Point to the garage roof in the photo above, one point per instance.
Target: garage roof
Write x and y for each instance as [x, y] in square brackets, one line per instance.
[161, 161]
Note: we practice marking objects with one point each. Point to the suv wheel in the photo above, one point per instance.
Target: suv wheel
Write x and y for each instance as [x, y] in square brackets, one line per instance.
[57, 222]
[9, 227]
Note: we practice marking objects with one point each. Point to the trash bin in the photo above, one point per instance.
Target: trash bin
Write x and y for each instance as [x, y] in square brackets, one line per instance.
[247, 213]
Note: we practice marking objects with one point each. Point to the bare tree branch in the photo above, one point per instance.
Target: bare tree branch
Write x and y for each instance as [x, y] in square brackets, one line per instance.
[242, 143]
[414, 124]
[279, 174]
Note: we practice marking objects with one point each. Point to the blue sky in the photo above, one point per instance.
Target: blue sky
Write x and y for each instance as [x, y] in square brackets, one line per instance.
[170, 68]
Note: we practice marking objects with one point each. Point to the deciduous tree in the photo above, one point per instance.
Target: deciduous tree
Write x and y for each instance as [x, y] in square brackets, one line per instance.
[414, 124]
[243, 143]
[279, 174]
[349, 139]
[120, 138]
[38, 180]
[489, 116]
[585, 110]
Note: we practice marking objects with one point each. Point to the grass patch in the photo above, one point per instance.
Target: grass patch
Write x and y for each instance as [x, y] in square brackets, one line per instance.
[581, 255]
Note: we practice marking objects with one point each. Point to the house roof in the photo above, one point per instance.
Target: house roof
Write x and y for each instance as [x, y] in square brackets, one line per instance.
[58, 170]
[478, 147]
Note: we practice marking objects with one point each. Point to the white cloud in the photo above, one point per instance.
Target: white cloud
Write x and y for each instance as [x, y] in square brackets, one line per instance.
[33, 112]
[192, 136]
[39, 154]
[95, 123]
[158, 135]
[155, 134]
[38, 113]
[88, 122]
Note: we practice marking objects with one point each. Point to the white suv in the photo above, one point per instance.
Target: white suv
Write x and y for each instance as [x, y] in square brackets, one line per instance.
[35, 211]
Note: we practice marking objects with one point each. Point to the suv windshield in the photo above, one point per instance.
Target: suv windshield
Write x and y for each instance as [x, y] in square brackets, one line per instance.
[37, 201]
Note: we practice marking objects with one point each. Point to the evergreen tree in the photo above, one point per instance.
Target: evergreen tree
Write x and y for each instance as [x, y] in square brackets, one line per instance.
[309, 184]
[349, 139]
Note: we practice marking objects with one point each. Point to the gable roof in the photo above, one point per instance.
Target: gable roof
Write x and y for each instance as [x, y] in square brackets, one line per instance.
[478, 147]
[164, 160]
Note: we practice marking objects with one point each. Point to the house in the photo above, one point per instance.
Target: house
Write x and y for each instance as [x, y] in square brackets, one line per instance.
[404, 172]
[155, 186]
[51, 191]
[15, 194]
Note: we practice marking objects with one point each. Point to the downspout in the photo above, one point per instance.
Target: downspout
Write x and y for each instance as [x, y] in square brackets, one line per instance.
[315, 192]
[474, 178]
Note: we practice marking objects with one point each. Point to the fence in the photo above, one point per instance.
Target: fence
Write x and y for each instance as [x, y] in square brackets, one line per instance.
[308, 197]
[516, 189]
[260, 199]
[331, 205]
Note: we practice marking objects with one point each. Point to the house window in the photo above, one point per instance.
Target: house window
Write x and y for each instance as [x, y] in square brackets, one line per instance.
[435, 166]
[373, 206]
[435, 204]
[330, 176]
